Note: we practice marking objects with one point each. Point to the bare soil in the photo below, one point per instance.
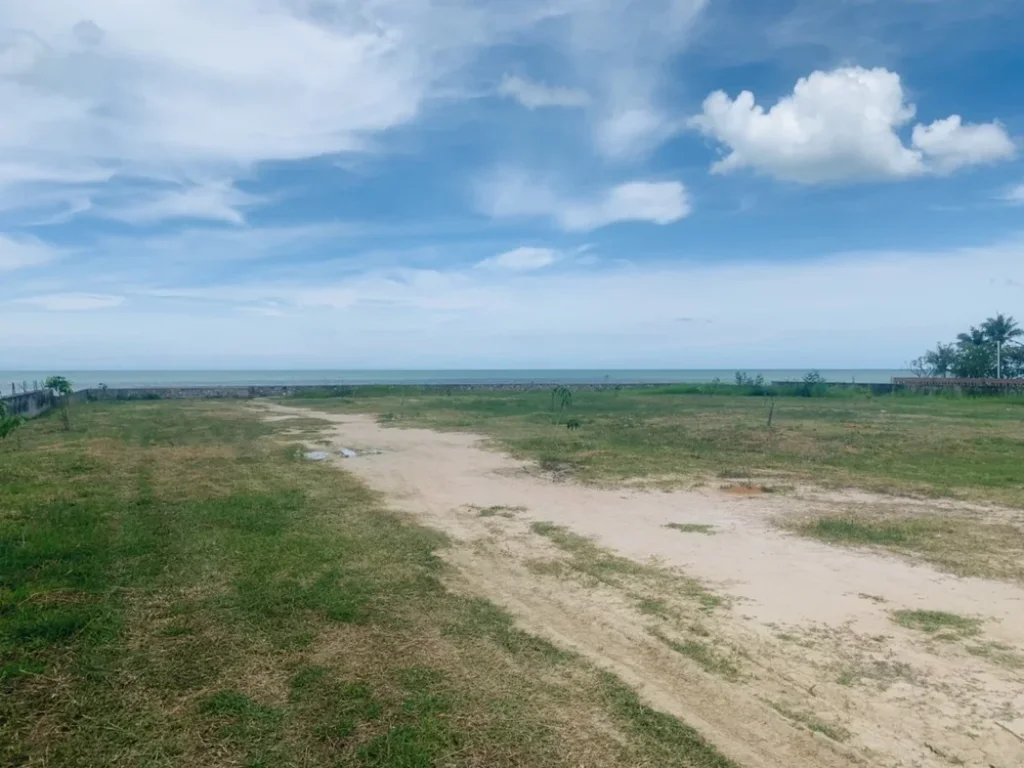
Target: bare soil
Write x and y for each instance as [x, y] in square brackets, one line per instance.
[826, 677]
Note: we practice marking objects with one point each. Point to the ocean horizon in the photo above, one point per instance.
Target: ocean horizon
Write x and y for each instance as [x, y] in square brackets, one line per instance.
[115, 379]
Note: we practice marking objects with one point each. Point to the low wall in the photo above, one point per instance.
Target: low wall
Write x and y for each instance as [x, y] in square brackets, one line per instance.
[932, 385]
[29, 404]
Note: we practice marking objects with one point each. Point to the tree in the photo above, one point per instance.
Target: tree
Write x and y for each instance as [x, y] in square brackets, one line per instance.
[974, 361]
[999, 330]
[63, 389]
[563, 396]
[979, 353]
[936, 362]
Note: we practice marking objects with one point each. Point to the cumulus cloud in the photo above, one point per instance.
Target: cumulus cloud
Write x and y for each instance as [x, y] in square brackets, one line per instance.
[950, 144]
[524, 259]
[514, 195]
[843, 125]
[18, 253]
[536, 95]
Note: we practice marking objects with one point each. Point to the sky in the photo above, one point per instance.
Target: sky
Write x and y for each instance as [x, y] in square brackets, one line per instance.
[506, 184]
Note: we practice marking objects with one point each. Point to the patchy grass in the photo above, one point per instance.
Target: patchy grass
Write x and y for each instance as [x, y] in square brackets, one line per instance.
[599, 566]
[677, 436]
[811, 722]
[176, 587]
[959, 543]
[997, 653]
[498, 511]
[846, 531]
[881, 673]
[709, 659]
[943, 625]
[708, 530]
[679, 745]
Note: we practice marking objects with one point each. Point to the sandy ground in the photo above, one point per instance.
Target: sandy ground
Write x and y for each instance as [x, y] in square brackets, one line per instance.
[808, 625]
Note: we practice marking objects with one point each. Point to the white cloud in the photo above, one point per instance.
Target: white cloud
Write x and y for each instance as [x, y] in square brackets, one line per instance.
[535, 95]
[512, 194]
[523, 259]
[185, 89]
[99, 92]
[19, 253]
[73, 302]
[842, 125]
[951, 145]
[214, 201]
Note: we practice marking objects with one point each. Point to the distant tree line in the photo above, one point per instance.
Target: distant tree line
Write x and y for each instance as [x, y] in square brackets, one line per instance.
[990, 351]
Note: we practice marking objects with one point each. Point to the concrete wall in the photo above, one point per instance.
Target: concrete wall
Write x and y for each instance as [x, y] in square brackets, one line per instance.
[29, 404]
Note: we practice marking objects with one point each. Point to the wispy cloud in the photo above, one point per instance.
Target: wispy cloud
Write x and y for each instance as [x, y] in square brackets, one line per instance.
[453, 317]
[72, 302]
[213, 201]
[513, 194]
[536, 95]
[1014, 195]
[23, 252]
[523, 259]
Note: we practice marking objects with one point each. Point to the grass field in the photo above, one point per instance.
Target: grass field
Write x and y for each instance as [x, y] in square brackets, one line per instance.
[178, 588]
[963, 447]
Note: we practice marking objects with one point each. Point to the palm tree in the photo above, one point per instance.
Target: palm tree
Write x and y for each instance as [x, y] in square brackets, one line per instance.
[999, 330]
[975, 336]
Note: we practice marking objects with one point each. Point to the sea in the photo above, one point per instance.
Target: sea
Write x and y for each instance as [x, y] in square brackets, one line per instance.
[130, 378]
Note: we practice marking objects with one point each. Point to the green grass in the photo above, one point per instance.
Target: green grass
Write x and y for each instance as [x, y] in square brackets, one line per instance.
[679, 436]
[178, 588]
[707, 530]
[943, 625]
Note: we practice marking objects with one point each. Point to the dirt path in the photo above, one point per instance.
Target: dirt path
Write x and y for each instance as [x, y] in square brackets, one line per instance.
[806, 666]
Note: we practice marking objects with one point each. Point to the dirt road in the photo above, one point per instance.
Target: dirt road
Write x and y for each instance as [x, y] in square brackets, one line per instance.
[800, 665]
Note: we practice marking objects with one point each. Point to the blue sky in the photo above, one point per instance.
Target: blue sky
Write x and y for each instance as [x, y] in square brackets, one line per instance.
[474, 183]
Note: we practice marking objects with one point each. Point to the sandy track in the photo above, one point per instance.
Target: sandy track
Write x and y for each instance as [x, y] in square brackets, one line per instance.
[810, 623]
